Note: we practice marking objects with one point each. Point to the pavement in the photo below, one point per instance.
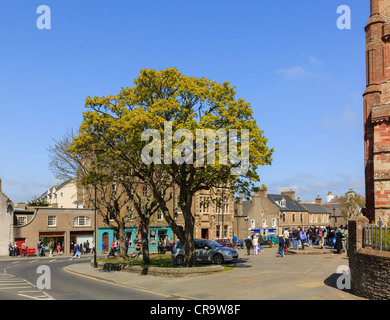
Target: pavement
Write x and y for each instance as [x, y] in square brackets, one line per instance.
[300, 275]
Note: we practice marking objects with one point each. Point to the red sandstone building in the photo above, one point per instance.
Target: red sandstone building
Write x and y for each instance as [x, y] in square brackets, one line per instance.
[377, 112]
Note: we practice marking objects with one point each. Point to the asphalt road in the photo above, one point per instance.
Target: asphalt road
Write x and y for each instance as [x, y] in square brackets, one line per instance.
[20, 279]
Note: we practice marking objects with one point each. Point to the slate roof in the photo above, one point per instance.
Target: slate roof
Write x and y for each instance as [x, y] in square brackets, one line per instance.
[291, 205]
[314, 208]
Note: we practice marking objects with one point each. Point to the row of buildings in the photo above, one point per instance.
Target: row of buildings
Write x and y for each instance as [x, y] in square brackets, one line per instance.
[68, 220]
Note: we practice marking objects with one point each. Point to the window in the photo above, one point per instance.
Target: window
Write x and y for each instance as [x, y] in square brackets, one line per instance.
[284, 217]
[273, 222]
[21, 220]
[52, 221]
[225, 231]
[301, 217]
[283, 203]
[264, 223]
[160, 215]
[293, 217]
[82, 221]
[253, 223]
[204, 204]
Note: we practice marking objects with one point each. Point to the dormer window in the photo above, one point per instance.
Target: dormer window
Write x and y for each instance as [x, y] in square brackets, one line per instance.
[283, 203]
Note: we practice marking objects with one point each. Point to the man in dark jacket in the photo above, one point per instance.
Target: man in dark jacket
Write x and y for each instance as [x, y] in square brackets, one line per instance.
[248, 245]
[338, 245]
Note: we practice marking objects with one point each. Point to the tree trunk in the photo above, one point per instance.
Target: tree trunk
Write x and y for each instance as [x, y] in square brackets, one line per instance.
[122, 239]
[145, 243]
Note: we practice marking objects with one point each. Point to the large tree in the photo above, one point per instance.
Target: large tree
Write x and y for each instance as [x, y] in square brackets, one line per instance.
[191, 133]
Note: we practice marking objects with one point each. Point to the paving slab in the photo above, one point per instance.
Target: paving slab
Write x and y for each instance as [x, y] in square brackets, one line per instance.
[296, 276]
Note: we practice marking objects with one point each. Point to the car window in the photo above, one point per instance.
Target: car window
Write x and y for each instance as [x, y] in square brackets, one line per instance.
[178, 245]
[213, 243]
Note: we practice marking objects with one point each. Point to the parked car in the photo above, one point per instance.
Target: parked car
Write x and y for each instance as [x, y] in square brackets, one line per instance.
[225, 242]
[206, 251]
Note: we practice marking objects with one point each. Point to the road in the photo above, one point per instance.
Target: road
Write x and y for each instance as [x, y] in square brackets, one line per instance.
[20, 279]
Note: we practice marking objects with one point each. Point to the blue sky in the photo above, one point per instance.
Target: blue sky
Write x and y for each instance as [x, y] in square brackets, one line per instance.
[302, 75]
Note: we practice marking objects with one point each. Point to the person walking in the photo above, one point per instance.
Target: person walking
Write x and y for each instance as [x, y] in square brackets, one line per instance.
[234, 241]
[248, 245]
[76, 251]
[282, 243]
[255, 244]
[39, 247]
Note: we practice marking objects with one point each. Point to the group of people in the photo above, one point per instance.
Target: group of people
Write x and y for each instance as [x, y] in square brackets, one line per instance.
[336, 238]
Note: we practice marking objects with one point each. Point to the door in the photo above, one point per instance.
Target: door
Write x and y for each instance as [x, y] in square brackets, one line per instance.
[202, 254]
[205, 233]
[105, 246]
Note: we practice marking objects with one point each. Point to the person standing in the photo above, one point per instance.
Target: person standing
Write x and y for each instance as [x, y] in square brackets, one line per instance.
[51, 248]
[24, 249]
[321, 237]
[338, 245]
[39, 247]
[295, 238]
[302, 237]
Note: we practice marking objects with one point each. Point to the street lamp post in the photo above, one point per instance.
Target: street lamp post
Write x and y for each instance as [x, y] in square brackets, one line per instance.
[95, 248]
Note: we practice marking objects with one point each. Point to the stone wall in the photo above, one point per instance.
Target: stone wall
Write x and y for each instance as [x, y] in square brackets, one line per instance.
[370, 269]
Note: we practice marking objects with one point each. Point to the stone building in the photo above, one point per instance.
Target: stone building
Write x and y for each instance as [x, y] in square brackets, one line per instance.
[291, 213]
[66, 226]
[6, 222]
[258, 215]
[377, 112]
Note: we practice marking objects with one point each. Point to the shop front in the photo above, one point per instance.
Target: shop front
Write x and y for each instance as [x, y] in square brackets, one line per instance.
[106, 236]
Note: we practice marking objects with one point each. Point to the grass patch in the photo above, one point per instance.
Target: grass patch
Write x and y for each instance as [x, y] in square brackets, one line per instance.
[156, 260]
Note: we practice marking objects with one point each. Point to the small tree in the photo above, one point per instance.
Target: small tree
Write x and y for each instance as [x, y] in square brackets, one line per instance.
[38, 203]
[352, 204]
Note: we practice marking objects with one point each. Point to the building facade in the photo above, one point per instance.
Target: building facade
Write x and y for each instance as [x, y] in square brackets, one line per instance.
[64, 226]
[377, 112]
[6, 223]
[258, 215]
[63, 195]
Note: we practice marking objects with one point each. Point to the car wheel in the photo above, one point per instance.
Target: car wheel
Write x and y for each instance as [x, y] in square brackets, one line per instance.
[218, 259]
[179, 260]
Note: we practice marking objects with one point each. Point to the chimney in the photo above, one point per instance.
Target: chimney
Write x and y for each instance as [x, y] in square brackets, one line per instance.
[318, 200]
[290, 193]
[329, 197]
[299, 200]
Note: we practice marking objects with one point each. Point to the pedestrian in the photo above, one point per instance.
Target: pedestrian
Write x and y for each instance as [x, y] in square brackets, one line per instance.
[76, 251]
[234, 240]
[51, 248]
[24, 249]
[286, 236]
[343, 238]
[260, 243]
[59, 248]
[39, 247]
[302, 237]
[295, 238]
[15, 249]
[282, 244]
[338, 244]
[255, 244]
[248, 245]
[321, 238]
